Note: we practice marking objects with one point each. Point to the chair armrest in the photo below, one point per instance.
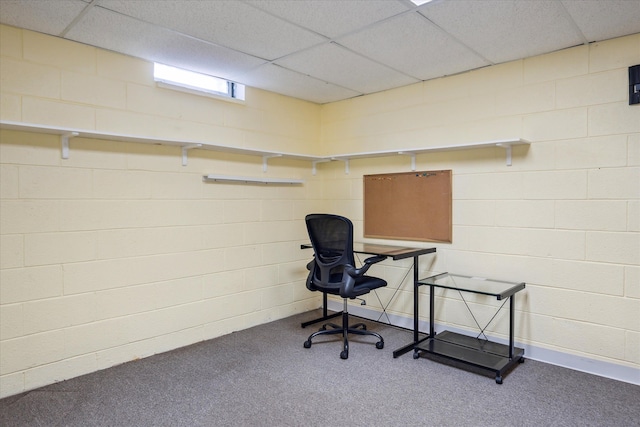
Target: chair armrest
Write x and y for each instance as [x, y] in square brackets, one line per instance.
[310, 265]
[375, 259]
[357, 272]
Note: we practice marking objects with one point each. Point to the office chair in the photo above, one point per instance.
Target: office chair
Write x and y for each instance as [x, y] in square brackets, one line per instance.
[332, 271]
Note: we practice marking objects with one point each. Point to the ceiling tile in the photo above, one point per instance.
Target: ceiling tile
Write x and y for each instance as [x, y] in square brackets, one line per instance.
[113, 31]
[335, 64]
[412, 44]
[332, 18]
[601, 20]
[232, 24]
[281, 80]
[44, 16]
[505, 30]
[325, 50]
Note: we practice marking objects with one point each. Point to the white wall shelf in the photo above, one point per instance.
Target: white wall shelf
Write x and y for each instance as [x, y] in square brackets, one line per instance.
[66, 133]
[507, 144]
[186, 145]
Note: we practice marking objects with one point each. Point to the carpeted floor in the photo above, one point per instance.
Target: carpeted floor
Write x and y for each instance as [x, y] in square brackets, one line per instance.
[263, 376]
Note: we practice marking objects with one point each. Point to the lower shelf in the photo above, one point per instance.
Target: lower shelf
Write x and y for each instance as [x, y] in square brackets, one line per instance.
[468, 352]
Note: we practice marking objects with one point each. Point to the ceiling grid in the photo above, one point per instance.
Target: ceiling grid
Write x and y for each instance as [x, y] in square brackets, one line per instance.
[326, 51]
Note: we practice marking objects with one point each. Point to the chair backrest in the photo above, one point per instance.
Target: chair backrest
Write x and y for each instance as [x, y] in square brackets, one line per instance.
[332, 240]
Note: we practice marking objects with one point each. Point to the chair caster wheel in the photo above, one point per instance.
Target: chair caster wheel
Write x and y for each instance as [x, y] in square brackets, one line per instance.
[380, 345]
[498, 379]
[307, 344]
[416, 355]
[344, 355]
[364, 327]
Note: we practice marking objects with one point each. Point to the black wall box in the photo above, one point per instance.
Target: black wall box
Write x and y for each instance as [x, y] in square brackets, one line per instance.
[634, 85]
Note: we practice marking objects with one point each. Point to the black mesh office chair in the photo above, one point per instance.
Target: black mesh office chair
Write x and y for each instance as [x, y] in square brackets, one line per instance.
[333, 271]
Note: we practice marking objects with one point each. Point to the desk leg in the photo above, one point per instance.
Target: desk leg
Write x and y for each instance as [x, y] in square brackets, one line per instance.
[416, 315]
[416, 308]
[325, 315]
[432, 304]
[511, 313]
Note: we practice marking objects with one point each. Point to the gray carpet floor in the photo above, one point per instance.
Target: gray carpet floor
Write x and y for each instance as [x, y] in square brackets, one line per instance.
[263, 376]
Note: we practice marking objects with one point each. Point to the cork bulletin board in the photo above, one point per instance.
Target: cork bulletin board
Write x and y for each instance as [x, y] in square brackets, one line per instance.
[408, 206]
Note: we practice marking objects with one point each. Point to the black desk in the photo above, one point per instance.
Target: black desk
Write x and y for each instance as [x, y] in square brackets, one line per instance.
[395, 253]
[467, 351]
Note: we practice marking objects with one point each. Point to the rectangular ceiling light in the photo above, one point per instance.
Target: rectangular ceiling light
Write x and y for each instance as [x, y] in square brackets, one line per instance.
[420, 2]
[196, 82]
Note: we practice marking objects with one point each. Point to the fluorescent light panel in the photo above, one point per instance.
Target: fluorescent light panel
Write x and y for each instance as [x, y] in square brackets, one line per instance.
[420, 2]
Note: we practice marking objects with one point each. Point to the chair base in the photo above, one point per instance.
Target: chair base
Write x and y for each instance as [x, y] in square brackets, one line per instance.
[345, 330]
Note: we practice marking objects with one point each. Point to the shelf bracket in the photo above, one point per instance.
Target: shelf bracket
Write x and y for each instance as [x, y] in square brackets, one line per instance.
[413, 158]
[508, 148]
[64, 142]
[346, 164]
[314, 169]
[267, 157]
[186, 148]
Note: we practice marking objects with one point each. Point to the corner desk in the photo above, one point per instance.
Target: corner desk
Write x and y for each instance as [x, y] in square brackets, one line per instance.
[395, 253]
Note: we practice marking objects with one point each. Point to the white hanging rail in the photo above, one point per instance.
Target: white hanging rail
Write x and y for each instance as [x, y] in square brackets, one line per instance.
[251, 180]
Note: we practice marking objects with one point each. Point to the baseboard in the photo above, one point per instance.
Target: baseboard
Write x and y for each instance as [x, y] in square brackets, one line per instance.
[601, 368]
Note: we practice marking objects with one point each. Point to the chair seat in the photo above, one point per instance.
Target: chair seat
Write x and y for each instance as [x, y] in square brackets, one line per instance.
[364, 285]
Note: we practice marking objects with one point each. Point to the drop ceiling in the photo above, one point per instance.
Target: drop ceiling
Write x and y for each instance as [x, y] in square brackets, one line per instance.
[328, 50]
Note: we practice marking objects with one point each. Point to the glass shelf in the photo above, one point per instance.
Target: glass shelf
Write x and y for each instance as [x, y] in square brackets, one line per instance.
[477, 285]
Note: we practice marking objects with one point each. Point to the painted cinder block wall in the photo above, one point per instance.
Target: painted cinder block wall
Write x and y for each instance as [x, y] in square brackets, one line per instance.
[564, 218]
[121, 252]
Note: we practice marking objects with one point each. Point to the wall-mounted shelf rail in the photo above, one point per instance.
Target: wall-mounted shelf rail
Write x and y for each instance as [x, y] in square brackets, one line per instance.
[186, 145]
[66, 133]
[507, 144]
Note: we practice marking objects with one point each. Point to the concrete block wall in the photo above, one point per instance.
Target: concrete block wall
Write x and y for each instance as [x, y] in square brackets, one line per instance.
[120, 252]
[563, 218]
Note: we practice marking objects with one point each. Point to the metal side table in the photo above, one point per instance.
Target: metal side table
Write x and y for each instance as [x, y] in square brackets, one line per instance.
[466, 351]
